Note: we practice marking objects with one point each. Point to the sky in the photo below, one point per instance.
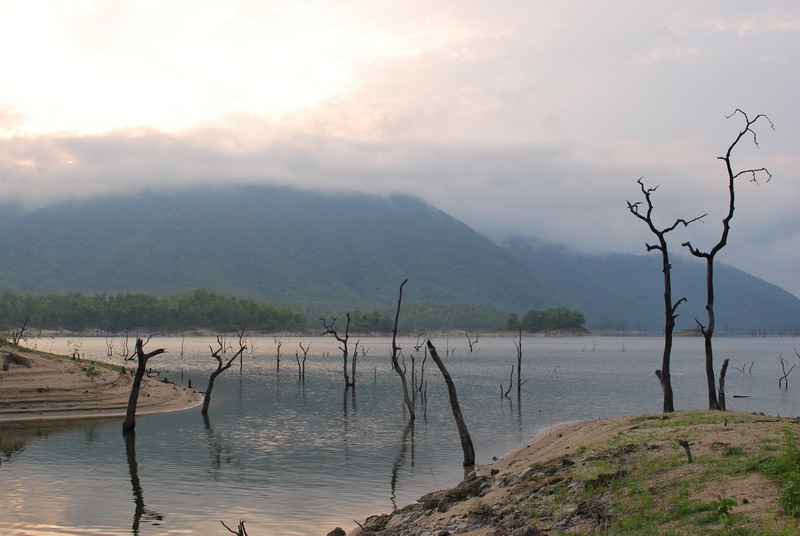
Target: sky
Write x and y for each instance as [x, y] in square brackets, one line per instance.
[516, 117]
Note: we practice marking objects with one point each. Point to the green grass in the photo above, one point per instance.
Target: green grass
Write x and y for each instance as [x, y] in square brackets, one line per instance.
[645, 500]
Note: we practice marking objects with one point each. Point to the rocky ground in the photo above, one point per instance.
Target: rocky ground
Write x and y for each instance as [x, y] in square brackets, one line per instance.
[592, 478]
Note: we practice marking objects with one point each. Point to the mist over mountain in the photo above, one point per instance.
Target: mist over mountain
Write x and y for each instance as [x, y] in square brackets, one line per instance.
[268, 243]
[334, 252]
[626, 291]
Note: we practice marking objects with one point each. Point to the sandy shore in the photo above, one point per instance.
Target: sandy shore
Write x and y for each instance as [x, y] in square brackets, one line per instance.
[53, 388]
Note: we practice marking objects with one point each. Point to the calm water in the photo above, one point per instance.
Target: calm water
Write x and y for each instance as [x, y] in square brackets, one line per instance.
[297, 458]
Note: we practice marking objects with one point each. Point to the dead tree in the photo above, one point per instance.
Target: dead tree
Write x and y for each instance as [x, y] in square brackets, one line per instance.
[330, 330]
[301, 366]
[708, 329]
[784, 380]
[722, 373]
[129, 424]
[463, 432]
[17, 334]
[353, 363]
[278, 344]
[519, 364]
[220, 366]
[240, 530]
[408, 398]
[109, 346]
[471, 342]
[510, 383]
[125, 351]
[663, 374]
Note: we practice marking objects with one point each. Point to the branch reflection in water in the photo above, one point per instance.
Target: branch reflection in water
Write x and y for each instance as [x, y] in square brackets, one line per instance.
[218, 451]
[140, 512]
[408, 438]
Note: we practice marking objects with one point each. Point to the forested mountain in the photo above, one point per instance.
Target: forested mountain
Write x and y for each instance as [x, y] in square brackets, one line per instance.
[274, 244]
[331, 253]
[619, 291]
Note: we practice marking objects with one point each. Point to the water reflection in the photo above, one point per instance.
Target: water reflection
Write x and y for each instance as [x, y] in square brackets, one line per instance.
[218, 451]
[408, 439]
[140, 511]
[15, 436]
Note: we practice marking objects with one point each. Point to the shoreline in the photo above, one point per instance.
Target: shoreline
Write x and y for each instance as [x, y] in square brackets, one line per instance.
[51, 388]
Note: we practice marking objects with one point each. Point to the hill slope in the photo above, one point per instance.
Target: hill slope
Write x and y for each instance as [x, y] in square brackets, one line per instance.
[331, 253]
[626, 291]
[273, 244]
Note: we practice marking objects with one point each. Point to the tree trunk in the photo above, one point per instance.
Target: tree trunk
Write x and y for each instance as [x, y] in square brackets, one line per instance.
[408, 398]
[519, 365]
[708, 333]
[463, 432]
[141, 367]
[722, 384]
[207, 394]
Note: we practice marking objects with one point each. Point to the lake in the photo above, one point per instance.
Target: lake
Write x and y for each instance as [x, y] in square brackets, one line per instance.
[300, 458]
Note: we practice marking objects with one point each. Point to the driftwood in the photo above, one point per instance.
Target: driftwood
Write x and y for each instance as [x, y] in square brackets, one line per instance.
[11, 357]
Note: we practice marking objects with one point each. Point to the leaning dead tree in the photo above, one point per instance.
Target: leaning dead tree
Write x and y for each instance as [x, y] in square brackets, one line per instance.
[670, 308]
[409, 398]
[129, 424]
[17, 334]
[463, 432]
[344, 341]
[221, 367]
[708, 329]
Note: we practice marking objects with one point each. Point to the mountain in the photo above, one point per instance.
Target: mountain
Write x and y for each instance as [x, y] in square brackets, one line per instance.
[626, 291]
[334, 252]
[274, 244]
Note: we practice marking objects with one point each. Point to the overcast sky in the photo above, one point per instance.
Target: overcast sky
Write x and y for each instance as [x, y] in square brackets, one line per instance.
[526, 117]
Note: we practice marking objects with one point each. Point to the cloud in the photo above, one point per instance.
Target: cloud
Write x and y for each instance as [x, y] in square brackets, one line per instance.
[531, 117]
[568, 193]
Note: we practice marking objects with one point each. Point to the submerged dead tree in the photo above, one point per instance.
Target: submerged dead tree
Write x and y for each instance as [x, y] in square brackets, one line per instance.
[463, 432]
[708, 329]
[129, 424]
[330, 330]
[670, 308]
[407, 397]
[519, 365]
[220, 366]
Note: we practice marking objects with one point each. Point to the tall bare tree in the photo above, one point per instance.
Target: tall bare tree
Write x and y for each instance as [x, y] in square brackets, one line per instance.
[129, 424]
[344, 341]
[407, 397]
[708, 329]
[221, 367]
[670, 308]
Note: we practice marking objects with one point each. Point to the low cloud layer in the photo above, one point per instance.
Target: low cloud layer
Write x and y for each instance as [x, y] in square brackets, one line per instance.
[525, 117]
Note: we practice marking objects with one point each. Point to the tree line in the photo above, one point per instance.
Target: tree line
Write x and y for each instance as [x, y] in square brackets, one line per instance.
[114, 313]
[210, 310]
